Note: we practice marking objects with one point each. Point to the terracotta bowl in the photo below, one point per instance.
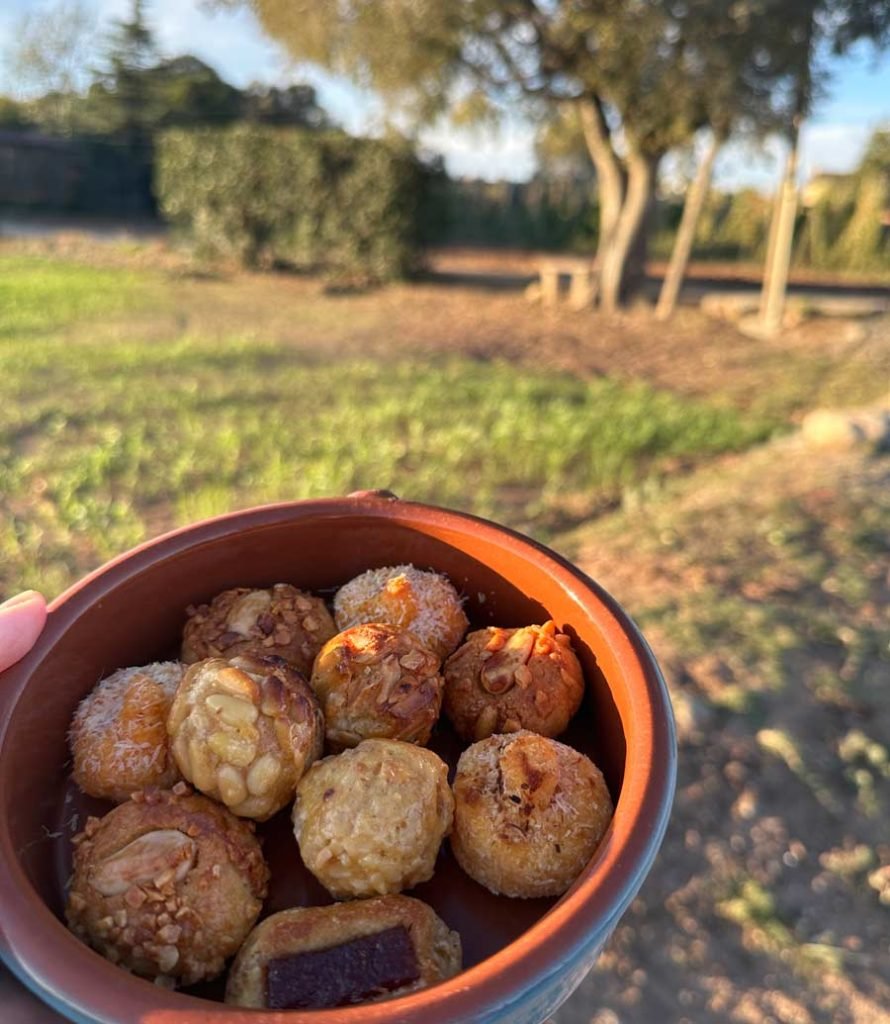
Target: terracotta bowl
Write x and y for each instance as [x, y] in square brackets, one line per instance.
[522, 957]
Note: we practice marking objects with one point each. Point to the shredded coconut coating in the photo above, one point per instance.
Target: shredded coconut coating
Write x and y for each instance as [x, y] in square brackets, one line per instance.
[167, 885]
[504, 680]
[529, 814]
[407, 598]
[370, 821]
[305, 929]
[377, 682]
[118, 736]
[281, 622]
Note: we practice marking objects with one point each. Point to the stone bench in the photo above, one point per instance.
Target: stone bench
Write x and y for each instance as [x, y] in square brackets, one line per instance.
[581, 273]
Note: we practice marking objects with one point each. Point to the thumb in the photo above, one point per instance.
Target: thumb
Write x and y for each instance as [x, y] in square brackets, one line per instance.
[21, 621]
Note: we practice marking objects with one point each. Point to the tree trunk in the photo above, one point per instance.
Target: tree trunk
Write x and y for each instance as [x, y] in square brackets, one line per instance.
[771, 239]
[692, 208]
[638, 256]
[640, 187]
[775, 282]
[609, 173]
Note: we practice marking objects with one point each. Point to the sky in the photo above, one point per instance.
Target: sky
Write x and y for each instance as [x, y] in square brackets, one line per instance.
[858, 98]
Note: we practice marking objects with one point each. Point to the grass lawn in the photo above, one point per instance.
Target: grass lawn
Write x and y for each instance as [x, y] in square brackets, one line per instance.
[113, 431]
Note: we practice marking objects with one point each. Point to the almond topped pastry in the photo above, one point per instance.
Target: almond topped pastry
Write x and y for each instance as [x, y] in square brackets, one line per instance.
[377, 681]
[504, 680]
[167, 885]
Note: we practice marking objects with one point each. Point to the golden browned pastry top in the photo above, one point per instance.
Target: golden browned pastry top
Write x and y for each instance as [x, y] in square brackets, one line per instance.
[377, 681]
[529, 814]
[503, 680]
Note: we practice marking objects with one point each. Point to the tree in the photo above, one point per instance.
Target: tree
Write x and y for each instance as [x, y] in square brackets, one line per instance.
[13, 115]
[292, 105]
[741, 92]
[121, 99]
[184, 91]
[637, 72]
[813, 27]
[876, 158]
[48, 50]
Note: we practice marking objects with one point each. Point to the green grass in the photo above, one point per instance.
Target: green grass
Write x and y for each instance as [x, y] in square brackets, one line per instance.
[38, 295]
[108, 441]
[753, 909]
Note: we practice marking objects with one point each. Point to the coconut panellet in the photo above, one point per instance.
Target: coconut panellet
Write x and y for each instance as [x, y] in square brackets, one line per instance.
[167, 885]
[281, 621]
[376, 681]
[314, 958]
[529, 813]
[370, 821]
[504, 680]
[407, 598]
[118, 735]
[244, 731]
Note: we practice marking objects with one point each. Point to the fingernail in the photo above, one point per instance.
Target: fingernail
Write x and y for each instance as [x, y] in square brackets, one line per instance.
[23, 598]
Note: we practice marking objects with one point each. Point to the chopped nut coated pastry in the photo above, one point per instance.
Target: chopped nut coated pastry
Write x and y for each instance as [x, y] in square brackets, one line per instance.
[167, 885]
[370, 821]
[282, 621]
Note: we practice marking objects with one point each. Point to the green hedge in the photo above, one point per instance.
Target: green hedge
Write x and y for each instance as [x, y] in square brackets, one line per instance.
[266, 195]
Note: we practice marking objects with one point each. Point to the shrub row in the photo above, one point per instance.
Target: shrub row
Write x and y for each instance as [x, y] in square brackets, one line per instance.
[265, 195]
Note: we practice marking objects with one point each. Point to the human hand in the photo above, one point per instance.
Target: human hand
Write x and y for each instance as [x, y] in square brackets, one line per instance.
[21, 620]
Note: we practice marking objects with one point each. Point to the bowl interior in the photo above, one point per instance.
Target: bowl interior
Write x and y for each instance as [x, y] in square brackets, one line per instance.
[133, 614]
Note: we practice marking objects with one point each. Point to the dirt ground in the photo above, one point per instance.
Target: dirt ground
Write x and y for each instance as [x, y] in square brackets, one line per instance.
[763, 584]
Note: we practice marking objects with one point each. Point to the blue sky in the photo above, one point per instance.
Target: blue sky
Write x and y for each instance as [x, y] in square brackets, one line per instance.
[858, 100]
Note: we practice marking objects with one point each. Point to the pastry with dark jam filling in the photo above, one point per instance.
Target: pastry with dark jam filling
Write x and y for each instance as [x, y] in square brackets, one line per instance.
[313, 958]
